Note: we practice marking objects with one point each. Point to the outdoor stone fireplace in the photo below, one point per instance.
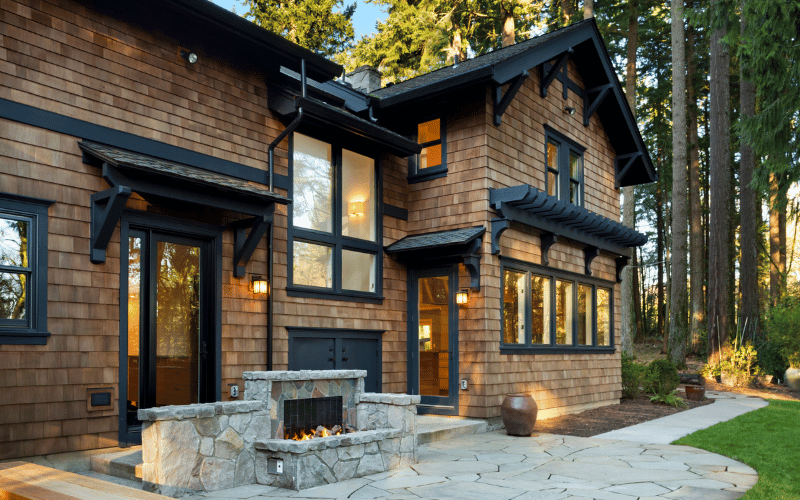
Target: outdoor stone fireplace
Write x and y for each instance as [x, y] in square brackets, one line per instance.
[208, 447]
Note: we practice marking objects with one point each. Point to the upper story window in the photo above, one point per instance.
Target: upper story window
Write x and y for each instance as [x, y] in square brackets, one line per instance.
[334, 230]
[23, 271]
[432, 161]
[564, 160]
[544, 311]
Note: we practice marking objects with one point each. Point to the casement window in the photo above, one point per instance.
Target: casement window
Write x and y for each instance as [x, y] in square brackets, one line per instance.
[334, 233]
[546, 311]
[431, 163]
[564, 163]
[23, 270]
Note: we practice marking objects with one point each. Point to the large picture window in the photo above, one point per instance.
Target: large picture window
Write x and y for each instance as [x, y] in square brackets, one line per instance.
[334, 231]
[564, 164]
[23, 270]
[543, 311]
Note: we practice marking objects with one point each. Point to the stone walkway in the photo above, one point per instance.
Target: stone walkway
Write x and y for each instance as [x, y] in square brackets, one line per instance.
[495, 466]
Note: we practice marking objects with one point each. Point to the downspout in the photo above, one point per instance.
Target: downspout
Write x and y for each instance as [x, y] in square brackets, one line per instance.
[271, 158]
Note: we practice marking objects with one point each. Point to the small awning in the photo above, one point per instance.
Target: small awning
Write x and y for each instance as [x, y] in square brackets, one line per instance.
[153, 178]
[440, 248]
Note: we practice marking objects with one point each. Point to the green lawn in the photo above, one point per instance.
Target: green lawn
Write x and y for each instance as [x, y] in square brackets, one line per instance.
[768, 440]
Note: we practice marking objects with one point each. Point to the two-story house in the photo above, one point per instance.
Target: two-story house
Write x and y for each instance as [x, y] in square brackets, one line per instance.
[185, 196]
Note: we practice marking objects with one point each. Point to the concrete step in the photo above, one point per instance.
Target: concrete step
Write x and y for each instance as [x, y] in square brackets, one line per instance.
[433, 428]
[137, 485]
[126, 464]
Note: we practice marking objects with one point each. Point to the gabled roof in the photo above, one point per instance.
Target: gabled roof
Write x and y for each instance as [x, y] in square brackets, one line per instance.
[603, 93]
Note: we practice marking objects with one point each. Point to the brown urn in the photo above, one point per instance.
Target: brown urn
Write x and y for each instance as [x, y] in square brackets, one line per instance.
[695, 392]
[518, 412]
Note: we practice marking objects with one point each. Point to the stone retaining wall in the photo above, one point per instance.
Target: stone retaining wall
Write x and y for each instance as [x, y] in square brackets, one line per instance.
[201, 447]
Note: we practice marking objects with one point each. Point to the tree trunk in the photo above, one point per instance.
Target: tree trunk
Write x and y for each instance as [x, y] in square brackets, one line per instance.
[456, 47]
[508, 27]
[678, 301]
[628, 319]
[750, 215]
[660, 249]
[637, 295]
[696, 239]
[720, 234]
[567, 11]
[588, 9]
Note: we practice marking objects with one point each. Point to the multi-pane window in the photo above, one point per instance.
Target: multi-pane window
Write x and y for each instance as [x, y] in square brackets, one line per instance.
[23, 270]
[564, 161]
[334, 232]
[542, 311]
[431, 161]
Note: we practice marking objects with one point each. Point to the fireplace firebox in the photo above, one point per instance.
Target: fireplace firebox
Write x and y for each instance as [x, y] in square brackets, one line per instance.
[301, 417]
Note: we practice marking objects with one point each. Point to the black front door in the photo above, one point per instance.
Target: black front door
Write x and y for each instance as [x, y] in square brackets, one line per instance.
[170, 337]
[433, 339]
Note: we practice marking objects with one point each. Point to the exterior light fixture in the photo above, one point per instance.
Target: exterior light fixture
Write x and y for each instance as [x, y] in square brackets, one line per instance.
[189, 56]
[570, 110]
[462, 297]
[260, 285]
[357, 208]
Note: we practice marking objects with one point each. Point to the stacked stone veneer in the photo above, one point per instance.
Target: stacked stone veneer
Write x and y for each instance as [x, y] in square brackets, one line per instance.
[202, 447]
[209, 447]
[387, 439]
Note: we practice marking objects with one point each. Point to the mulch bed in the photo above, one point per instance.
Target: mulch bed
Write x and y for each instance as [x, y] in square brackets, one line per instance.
[609, 418]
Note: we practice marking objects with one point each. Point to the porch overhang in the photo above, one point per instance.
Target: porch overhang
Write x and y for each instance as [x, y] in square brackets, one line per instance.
[127, 172]
[442, 247]
[558, 219]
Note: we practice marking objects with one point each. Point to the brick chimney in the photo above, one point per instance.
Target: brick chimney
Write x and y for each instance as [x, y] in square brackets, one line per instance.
[365, 78]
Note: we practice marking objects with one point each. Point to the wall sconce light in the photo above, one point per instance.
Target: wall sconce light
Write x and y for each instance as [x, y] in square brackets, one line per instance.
[357, 208]
[259, 284]
[462, 297]
[189, 56]
[570, 110]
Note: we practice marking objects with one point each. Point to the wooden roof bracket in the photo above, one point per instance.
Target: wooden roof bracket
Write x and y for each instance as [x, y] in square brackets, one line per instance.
[551, 75]
[245, 244]
[589, 109]
[106, 211]
[473, 265]
[589, 253]
[630, 157]
[547, 240]
[499, 225]
[502, 101]
[621, 263]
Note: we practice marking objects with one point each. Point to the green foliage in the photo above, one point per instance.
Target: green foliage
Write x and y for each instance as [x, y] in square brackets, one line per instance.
[662, 377]
[632, 376]
[765, 439]
[671, 399]
[323, 26]
[771, 360]
[783, 327]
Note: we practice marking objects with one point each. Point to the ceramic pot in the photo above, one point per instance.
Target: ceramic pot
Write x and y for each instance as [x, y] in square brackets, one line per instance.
[518, 412]
[695, 392]
[792, 377]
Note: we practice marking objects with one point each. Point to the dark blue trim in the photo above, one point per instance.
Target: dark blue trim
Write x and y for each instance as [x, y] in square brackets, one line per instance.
[35, 332]
[54, 122]
[395, 212]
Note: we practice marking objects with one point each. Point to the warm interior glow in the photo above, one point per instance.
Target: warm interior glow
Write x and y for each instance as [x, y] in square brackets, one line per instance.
[462, 297]
[260, 285]
[357, 208]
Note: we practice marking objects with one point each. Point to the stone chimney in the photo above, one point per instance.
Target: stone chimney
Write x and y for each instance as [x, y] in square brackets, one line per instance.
[365, 78]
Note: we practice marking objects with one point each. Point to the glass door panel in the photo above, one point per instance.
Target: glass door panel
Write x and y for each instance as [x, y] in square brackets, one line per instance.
[134, 323]
[434, 336]
[177, 324]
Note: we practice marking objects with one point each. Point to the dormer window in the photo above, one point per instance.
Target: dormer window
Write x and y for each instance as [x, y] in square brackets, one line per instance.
[431, 163]
[564, 161]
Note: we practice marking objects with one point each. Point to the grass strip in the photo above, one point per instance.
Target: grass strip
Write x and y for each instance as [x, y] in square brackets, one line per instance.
[768, 440]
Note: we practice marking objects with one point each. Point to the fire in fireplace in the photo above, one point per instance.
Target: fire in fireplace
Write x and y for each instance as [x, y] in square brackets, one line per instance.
[312, 417]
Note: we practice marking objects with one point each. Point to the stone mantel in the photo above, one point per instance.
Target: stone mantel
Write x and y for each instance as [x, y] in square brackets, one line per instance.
[305, 375]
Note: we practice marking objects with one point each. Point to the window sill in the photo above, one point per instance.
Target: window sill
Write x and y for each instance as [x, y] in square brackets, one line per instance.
[509, 349]
[23, 337]
[428, 174]
[332, 295]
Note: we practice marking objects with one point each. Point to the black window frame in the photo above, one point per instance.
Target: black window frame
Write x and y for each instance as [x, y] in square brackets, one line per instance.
[414, 173]
[335, 239]
[564, 179]
[553, 275]
[32, 330]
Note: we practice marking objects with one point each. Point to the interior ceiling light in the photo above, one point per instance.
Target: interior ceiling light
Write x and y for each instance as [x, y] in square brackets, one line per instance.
[189, 56]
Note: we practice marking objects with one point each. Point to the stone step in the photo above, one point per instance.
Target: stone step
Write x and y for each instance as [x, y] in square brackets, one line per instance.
[130, 483]
[126, 464]
[431, 429]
